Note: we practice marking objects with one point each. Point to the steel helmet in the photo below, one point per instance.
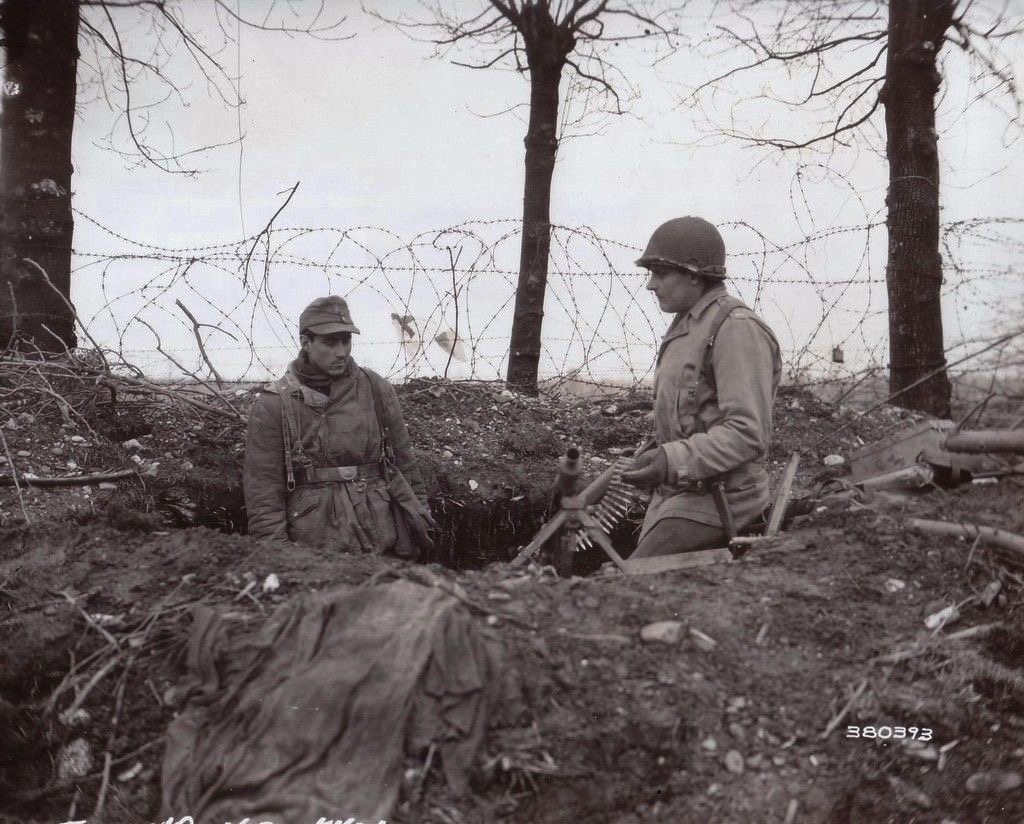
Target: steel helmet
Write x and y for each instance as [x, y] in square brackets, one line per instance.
[688, 243]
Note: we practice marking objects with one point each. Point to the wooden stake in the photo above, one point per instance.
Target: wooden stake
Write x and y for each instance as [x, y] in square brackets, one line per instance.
[782, 495]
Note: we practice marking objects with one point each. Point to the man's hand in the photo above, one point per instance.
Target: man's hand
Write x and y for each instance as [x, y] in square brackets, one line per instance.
[651, 470]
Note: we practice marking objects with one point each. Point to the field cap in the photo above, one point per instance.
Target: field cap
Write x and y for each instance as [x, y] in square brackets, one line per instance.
[327, 316]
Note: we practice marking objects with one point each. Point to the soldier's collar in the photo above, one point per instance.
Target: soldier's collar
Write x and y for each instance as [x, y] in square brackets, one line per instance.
[681, 323]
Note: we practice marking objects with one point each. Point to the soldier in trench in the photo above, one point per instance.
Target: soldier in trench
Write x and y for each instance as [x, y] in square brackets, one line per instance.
[715, 381]
[317, 469]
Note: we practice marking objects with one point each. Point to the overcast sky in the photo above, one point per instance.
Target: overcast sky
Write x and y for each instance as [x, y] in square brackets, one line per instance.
[377, 132]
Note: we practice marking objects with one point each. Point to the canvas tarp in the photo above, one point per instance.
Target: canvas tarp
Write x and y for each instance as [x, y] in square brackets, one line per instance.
[312, 715]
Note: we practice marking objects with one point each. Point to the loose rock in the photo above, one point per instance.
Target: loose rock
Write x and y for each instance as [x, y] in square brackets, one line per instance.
[734, 762]
[662, 632]
[994, 781]
[705, 642]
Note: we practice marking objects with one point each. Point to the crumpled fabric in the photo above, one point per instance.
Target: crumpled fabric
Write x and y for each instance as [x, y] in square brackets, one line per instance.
[312, 715]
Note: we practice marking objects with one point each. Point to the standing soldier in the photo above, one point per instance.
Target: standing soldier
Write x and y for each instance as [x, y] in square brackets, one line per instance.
[715, 381]
[318, 467]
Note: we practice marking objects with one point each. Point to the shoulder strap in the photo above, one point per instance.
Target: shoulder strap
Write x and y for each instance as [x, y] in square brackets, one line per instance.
[290, 430]
[385, 439]
[707, 370]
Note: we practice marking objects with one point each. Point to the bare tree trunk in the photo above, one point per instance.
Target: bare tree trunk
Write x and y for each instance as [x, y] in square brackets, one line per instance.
[914, 268]
[547, 46]
[38, 115]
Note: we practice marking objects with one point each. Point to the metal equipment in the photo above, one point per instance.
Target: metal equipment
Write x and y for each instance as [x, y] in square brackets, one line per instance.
[586, 517]
[931, 451]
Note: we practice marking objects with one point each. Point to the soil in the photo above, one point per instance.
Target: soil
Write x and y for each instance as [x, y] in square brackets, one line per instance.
[739, 719]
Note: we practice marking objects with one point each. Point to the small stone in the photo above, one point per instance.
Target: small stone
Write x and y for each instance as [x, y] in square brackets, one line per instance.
[187, 466]
[132, 772]
[709, 744]
[662, 632]
[74, 760]
[907, 790]
[132, 443]
[734, 762]
[107, 485]
[435, 391]
[76, 439]
[23, 453]
[778, 760]
[705, 642]
[493, 621]
[611, 409]
[736, 704]
[993, 781]
[894, 584]
[942, 617]
[508, 394]
[498, 595]
[447, 453]
[26, 417]
[473, 485]
[271, 583]
[755, 761]
[57, 450]
[11, 424]
[736, 730]
[834, 460]
[75, 720]
[989, 593]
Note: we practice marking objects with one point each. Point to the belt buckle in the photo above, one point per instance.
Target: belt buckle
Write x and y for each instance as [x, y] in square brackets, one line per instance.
[348, 473]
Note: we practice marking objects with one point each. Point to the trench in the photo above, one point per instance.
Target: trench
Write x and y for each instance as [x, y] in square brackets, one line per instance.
[471, 533]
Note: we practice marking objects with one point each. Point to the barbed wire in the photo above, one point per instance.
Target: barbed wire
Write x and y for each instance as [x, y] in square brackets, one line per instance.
[823, 293]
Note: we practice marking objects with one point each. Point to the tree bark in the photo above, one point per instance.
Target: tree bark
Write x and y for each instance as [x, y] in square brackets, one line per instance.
[547, 46]
[914, 268]
[35, 171]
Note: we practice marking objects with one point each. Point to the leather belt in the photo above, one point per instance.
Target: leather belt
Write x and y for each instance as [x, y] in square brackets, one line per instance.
[330, 474]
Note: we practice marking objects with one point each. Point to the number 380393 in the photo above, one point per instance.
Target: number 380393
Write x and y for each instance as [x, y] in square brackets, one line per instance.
[886, 732]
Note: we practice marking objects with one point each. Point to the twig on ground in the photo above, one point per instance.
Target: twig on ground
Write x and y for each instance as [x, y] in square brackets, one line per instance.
[90, 620]
[31, 796]
[944, 529]
[838, 718]
[14, 478]
[70, 480]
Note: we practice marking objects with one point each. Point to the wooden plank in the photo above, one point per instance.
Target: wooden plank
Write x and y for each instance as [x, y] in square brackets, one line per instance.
[680, 560]
[782, 495]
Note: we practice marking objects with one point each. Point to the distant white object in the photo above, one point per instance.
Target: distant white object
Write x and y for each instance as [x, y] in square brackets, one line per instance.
[834, 460]
[271, 583]
[446, 339]
[408, 334]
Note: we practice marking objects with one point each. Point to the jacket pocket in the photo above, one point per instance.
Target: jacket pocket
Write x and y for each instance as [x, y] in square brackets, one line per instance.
[306, 518]
[379, 503]
[686, 412]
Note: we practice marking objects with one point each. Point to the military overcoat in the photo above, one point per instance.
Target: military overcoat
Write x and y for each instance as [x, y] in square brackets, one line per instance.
[335, 430]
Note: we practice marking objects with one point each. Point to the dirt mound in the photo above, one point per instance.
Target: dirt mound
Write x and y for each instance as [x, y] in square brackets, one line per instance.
[745, 716]
[723, 724]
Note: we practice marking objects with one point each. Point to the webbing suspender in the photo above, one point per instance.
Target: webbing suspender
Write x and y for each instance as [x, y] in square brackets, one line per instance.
[386, 454]
[707, 375]
[290, 429]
